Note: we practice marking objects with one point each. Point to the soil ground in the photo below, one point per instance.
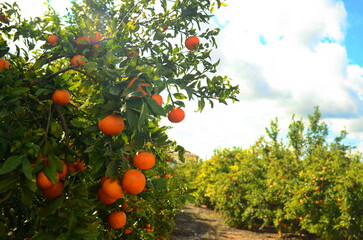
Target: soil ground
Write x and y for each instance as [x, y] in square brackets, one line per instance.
[200, 223]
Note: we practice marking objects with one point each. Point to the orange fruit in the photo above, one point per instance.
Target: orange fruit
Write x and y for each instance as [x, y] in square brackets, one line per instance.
[72, 167]
[128, 230]
[82, 41]
[53, 191]
[96, 37]
[80, 165]
[112, 188]
[61, 97]
[103, 179]
[76, 62]
[148, 225]
[133, 181]
[116, 219]
[4, 18]
[104, 198]
[191, 42]
[43, 181]
[158, 98]
[64, 170]
[4, 64]
[144, 160]
[167, 175]
[132, 81]
[96, 46]
[176, 115]
[52, 39]
[140, 89]
[127, 208]
[111, 125]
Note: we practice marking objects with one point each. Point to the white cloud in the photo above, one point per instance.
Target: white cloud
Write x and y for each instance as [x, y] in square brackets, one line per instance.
[287, 56]
[36, 8]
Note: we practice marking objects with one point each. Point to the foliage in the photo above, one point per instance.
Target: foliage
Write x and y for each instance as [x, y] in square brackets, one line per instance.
[37, 135]
[305, 184]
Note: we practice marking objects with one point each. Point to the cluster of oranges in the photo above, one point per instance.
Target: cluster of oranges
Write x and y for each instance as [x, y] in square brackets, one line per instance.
[48, 188]
[132, 182]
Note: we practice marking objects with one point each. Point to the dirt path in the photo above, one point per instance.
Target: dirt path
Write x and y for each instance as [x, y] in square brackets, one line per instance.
[197, 223]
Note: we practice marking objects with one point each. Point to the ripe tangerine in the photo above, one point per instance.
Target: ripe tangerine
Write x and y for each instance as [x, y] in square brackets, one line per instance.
[76, 61]
[104, 198]
[4, 64]
[53, 191]
[61, 97]
[43, 181]
[158, 98]
[191, 42]
[52, 39]
[116, 219]
[176, 115]
[111, 125]
[112, 188]
[64, 170]
[144, 160]
[82, 41]
[133, 181]
[96, 37]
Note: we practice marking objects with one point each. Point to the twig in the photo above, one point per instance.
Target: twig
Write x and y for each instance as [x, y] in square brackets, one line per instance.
[59, 72]
[81, 71]
[31, 113]
[48, 125]
[70, 68]
[64, 124]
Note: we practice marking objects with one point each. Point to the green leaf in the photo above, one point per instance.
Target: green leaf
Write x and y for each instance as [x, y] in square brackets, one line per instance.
[111, 169]
[90, 149]
[39, 63]
[143, 114]
[90, 67]
[79, 123]
[179, 96]
[96, 162]
[131, 118]
[8, 183]
[43, 235]
[27, 169]
[2, 229]
[159, 184]
[19, 91]
[116, 90]
[11, 163]
[51, 173]
[155, 108]
[56, 129]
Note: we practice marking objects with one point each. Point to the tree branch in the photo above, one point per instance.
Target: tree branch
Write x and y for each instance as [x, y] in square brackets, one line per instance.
[64, 124]
[59, 72]
[47, 128]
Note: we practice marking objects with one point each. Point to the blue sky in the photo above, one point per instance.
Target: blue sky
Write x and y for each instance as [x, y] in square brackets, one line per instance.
[354, 37]
[287, 57]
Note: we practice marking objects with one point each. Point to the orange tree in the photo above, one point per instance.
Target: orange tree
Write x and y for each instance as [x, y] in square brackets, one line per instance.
[302, 184]
[80, 97]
